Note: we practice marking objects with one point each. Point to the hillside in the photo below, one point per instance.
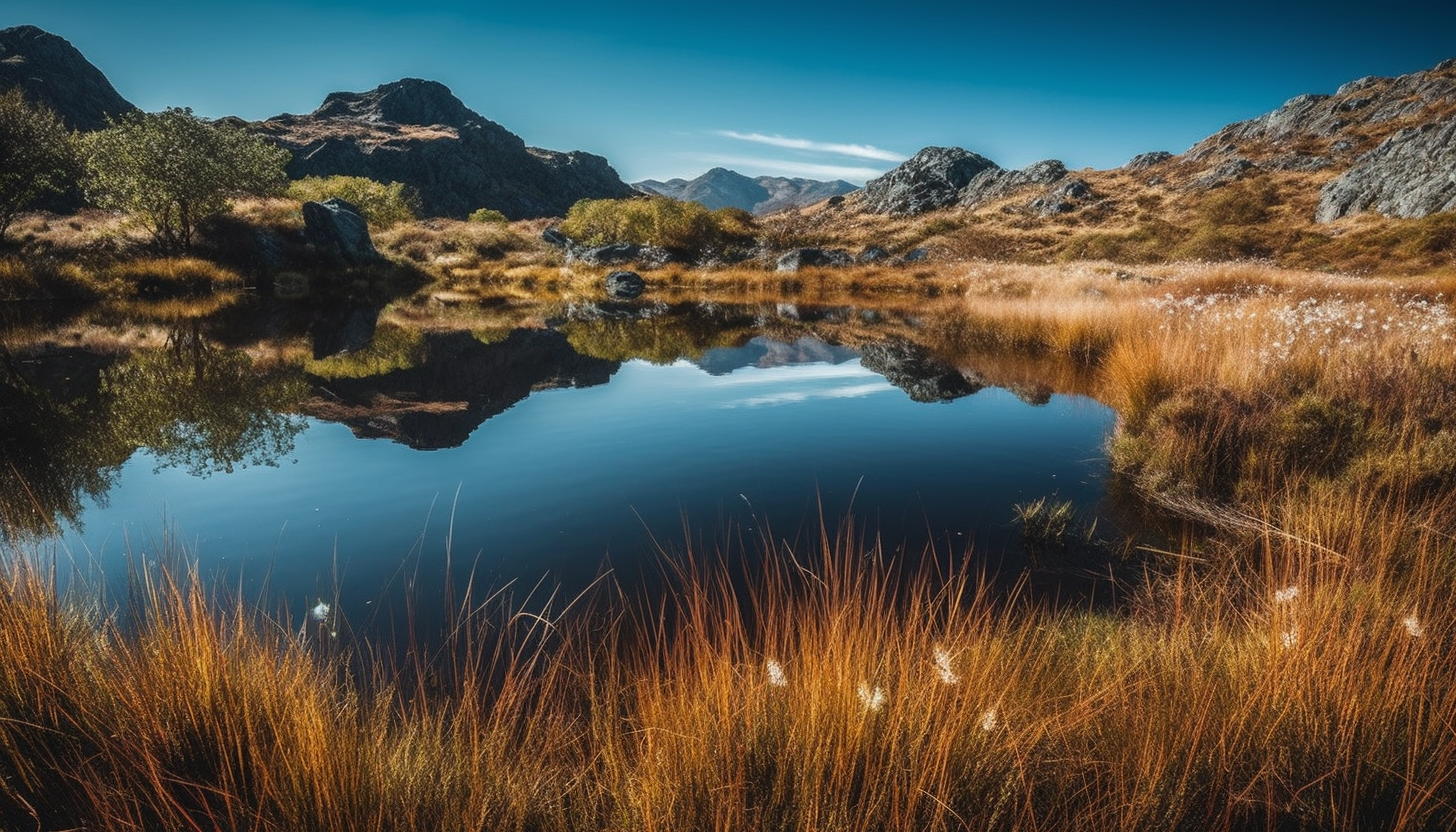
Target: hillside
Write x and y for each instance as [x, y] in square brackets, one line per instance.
[417, 132]
[49, 70]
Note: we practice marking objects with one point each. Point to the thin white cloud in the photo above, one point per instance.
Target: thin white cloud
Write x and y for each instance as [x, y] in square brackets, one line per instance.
[752, 165]
[857, 151]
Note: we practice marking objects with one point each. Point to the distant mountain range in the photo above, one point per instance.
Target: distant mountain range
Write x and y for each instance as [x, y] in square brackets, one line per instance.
[723, 188]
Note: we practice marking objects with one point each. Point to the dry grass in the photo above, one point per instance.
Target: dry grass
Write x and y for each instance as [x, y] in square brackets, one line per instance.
[822, 689]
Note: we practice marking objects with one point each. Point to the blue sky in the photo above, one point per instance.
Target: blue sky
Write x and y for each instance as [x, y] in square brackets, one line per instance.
[822, 90]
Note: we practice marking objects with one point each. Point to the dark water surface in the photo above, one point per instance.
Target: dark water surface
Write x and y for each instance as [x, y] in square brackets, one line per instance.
[523, 471]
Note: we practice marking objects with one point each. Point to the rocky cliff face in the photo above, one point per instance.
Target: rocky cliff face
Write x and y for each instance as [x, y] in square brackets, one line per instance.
[49, 70]
[417, 132]
[763, 195]
[942, 177]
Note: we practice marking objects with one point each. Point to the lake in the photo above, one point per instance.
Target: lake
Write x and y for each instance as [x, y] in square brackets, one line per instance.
[595, 437]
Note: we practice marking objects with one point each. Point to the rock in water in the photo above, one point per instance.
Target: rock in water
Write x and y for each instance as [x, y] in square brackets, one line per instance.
[625, 285]
[336, 227]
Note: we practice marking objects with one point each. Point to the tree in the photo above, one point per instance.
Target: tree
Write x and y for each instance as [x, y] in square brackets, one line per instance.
[172, 169]
[38, 155]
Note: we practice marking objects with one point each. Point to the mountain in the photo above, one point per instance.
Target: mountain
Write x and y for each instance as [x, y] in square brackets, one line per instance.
[723, 188]
[1386, 145]
[49, 70]
[417, 132]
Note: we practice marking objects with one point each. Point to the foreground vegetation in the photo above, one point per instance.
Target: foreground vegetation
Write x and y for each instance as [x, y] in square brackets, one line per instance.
[1288, 666]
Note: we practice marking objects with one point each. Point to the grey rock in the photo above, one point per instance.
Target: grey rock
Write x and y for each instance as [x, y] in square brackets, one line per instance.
[802, 258]
[625, 285]
[1230, 170]
[916, 255]
[932, 178]
[553, 236]
[1410, 174]
[49, 70]
[336, 227]
[873, 254]
[1061, 199]
[1143, 161]
[608, 255]
[998, 183]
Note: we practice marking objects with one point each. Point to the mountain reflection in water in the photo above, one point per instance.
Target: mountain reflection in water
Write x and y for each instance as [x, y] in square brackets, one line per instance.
[565, 438]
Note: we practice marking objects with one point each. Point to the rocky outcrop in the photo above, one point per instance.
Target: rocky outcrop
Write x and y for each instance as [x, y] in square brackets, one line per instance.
[911, 368]
[337, 229]
[998, 183]
[723, 188]
[1410, 174]
[49, 70]
[824, 258]
[1316, 132]
[1061, 199]
[1143, 161]
[417, 132]
[941, 177]
[933, 178]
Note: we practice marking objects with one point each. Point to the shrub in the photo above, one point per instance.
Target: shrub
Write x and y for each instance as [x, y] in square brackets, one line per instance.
[488, 215]
[172, 169]
[685, 227]
[381, 205]
[38, 155]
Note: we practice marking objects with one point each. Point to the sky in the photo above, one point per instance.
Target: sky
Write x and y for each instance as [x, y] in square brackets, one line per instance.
[842, 90]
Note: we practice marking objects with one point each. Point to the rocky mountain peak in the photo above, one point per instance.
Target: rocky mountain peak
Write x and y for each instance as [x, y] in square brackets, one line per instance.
[932, 178]
[406, 101]
[49, 70]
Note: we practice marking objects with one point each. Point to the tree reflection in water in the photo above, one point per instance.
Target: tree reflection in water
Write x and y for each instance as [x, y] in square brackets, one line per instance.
[194, 405]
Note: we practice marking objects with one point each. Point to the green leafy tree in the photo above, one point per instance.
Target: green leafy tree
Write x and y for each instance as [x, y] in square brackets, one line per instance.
[382, 205]
[38, 155]
[173, 169]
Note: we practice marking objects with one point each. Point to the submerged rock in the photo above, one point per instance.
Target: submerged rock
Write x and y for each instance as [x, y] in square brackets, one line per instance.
[913, 369]
[625, 285]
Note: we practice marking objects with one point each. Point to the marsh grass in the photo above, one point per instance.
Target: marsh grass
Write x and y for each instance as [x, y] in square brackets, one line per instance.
[828, 686]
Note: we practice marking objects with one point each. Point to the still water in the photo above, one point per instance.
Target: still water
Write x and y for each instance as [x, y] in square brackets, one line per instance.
[613, 464]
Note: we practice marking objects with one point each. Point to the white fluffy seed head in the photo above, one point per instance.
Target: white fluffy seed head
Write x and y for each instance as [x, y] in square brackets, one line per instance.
[776, 675]
[871, 699]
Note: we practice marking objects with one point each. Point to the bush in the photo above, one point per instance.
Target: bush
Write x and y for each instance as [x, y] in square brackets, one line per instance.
[488, 215]
[381, 205]
[38, 155]
[172, 169]
[685, 227]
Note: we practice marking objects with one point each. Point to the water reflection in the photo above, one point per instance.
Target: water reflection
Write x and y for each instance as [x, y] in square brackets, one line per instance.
[562, 434]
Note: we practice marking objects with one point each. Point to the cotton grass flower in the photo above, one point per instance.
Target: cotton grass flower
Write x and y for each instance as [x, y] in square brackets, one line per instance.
[872, 699]
[943, 666]
[1413, 626]
[1287, 594]
[320, 611]
[990, 721]
[1289, 638]
[776, 675]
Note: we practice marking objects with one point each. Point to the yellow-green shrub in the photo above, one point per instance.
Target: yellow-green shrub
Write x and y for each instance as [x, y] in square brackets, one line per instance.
[686, 227]
[381, 205]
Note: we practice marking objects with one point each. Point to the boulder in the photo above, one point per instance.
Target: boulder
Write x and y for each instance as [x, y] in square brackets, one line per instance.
[608, 255]
[997, 183]
[1411, 174]
[553, 236]
[916, 255]
[335, 227]
[625, 285]
[1143, 161]
[802, 258]
[873, 254]
[1061, 199]
[1223, 173]
[932, 178]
